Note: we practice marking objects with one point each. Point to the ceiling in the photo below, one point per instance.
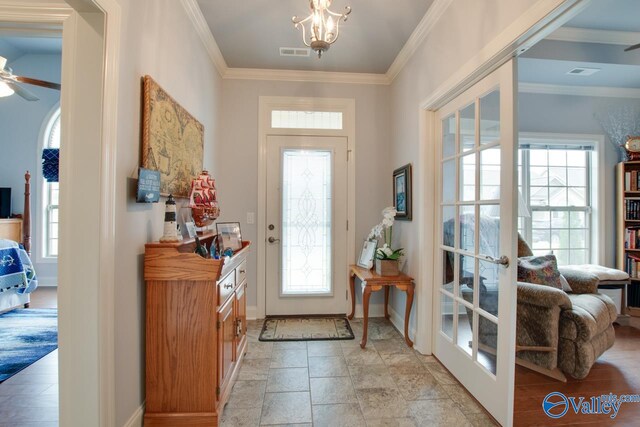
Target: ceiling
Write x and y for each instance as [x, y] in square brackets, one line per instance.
[549, 61]
[250, 33]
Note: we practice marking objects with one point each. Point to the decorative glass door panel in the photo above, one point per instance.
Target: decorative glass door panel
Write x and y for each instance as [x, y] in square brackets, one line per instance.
[306, 222]
[476, 297]
[306, 248]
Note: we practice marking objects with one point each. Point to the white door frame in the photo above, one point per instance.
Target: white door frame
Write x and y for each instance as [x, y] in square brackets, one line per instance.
[268, 103]
[544, 17]
[85, 325]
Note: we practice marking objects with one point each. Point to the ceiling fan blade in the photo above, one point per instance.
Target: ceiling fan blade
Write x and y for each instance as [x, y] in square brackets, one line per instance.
[634, 47]
[37, 82]
[21, 91]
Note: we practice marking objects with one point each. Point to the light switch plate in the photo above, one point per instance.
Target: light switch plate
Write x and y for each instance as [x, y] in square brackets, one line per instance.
[251, 217]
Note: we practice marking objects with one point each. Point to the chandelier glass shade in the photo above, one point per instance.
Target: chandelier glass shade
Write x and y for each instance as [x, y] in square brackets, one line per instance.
[324, 25]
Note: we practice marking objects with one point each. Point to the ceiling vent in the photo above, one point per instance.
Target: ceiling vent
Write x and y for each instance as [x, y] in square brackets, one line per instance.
[581, 71]
[295, 51]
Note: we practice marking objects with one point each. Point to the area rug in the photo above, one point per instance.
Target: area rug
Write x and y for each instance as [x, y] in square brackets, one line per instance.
[306, 329]
[26, 335]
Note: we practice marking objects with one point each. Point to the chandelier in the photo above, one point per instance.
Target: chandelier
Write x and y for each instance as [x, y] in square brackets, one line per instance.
[324, 25]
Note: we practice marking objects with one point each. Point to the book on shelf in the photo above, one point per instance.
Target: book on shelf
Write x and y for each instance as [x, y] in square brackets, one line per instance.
[632, 264]
[632, 209]
[631, 181]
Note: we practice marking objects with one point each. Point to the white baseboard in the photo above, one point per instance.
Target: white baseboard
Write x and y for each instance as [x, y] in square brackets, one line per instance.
[398, 322]
[252, 312]
[46, 282]
[137, 418]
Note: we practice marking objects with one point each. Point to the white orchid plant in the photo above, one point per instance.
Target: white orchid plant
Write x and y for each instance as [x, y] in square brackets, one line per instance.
[384, 230]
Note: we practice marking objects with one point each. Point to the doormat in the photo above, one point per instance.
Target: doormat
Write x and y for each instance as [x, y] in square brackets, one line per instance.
[26, 335]
[306, 329]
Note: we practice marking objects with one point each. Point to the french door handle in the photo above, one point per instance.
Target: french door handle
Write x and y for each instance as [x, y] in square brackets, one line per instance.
[503, 260]
[273, 239]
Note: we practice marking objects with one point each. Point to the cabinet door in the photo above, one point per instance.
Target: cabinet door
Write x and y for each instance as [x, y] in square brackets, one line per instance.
[241, 318]
[226, 342]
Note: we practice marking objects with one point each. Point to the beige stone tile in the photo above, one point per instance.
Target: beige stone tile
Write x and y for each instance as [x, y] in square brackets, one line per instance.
[288, 379]
[247, 394]
[289, 345]
[329, 366]
[240, 417]
[289, 359]
[382, 403]
[254, 369]
[371, 376]
[392, 346]
[481, 420]
[425, 358]
[286, 408]
[419, 386]
[342, 415]
[392, 422]
[358, 356]
[407, 369]
[332, 390]
[324, 348]
[400, 360]
[463, 398]
[440, 412]
[259, 350]
[440, 373]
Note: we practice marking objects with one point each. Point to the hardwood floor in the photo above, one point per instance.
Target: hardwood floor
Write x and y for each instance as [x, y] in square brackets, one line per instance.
[615, 372]
[45, 297]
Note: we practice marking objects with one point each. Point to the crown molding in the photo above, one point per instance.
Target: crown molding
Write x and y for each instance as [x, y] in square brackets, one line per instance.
[202, 28]
[595, 91]
[584, 35]
[429, 20]
[305, 76]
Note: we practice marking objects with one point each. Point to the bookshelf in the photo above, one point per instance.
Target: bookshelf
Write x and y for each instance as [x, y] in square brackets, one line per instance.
[628, 227]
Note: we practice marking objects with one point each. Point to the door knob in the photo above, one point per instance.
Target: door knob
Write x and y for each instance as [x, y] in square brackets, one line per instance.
[273, 239]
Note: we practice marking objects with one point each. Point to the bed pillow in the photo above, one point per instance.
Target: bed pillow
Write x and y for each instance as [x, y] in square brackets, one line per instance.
[541, 270]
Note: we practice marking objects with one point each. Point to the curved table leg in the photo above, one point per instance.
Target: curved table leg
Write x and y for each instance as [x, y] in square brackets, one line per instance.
[407, 313]
[366, 295]
[352, 287]
[386, 301]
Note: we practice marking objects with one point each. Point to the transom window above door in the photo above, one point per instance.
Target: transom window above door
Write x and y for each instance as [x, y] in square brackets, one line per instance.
[281, 119]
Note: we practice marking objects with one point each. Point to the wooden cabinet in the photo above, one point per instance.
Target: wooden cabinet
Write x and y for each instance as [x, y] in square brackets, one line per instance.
[195, 332]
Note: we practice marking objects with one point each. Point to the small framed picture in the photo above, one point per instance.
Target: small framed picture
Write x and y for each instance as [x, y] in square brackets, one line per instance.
[367, 254]
[191, 229]
[402, 192]
[229, 236]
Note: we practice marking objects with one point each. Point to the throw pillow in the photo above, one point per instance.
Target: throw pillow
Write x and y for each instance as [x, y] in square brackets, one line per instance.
[541, 270]
[565, 284]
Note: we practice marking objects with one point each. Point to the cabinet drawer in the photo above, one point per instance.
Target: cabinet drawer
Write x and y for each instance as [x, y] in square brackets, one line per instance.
[241, 272]
[225, 287]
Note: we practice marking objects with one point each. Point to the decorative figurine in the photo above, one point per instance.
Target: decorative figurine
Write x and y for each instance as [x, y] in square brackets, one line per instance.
[170, 226]
[203, 201]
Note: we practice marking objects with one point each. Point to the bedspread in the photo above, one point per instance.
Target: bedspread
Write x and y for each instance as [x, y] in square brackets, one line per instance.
[16, 269]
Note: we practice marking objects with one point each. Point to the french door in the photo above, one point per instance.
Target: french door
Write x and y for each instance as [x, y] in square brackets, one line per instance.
[306, 255]
[475, 301]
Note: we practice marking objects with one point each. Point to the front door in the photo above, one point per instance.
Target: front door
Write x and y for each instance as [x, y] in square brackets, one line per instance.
[475, 301]
[306, 256]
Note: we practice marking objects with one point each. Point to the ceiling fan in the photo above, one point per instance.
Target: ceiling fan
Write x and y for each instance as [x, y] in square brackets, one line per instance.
[634, 47]
[10, 81]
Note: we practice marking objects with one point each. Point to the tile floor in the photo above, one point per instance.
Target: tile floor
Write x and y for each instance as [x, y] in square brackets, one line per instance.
[336, 383]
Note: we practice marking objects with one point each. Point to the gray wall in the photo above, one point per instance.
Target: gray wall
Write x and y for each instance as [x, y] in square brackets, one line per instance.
[236, 157]
[577, 114]
[22, 124]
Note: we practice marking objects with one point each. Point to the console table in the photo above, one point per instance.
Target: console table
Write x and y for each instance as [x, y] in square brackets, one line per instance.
[372, 282]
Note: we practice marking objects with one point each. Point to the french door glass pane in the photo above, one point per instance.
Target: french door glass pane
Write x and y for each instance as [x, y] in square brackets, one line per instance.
[446, 309]
[448, 267]
[467, 278]
[467, 228]
[490, 118]
[488, 344]
[468, 177]
[468, 127]
[448, 225]
[449, 136]
[306, 222]
[448, 181]
[464, 337]
[490, 174]
[489, 291]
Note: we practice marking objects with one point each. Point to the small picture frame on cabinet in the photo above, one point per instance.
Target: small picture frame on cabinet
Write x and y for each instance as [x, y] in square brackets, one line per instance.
[229, 236]
[367, 254]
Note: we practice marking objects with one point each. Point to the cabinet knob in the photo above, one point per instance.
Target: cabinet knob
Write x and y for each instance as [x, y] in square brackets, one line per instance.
[243, 271]
[229, 286]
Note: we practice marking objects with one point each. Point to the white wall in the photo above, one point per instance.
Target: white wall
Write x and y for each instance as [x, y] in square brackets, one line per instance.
[236, 157]
[464, 29]
[157, 39]
[22, 122]
[577, 114]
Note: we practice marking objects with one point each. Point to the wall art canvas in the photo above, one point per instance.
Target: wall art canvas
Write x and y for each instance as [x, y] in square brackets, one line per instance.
[172, 140]
[402, 192]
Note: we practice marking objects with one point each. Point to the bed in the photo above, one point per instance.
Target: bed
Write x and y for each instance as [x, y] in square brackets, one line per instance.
[18, 282]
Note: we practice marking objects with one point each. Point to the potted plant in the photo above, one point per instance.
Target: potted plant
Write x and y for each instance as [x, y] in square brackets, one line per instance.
[386, 257]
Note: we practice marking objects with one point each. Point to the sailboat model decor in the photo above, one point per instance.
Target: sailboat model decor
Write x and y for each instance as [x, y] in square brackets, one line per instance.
[202, 201]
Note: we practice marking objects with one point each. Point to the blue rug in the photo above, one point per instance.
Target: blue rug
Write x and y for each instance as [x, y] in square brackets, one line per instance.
[26, 335]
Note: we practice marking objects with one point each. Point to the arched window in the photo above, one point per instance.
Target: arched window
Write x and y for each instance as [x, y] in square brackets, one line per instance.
[50, 194]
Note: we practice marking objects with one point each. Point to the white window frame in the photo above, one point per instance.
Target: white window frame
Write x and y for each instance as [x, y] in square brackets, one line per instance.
[598, 214]
[44, 206]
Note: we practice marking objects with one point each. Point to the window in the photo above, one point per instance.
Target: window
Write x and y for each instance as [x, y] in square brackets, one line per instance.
[51, 193]
[556, 187]
[306, 120]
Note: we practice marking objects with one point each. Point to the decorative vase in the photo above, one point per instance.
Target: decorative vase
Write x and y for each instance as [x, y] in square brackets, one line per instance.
[387, 267]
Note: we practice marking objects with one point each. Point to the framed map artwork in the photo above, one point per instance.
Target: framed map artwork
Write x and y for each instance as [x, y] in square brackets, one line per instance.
[172, 140]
